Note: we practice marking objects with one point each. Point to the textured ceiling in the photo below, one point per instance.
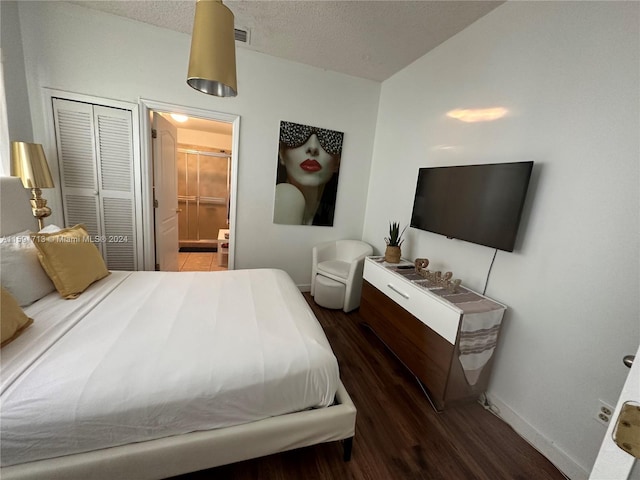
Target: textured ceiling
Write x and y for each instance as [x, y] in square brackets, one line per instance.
[367, 39]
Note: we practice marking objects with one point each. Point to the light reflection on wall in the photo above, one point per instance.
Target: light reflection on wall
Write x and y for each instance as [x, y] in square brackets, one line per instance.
[450, 148]
[471, 115]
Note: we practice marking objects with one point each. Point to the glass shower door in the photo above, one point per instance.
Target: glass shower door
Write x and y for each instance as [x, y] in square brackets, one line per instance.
[213, 195]
[203, 196]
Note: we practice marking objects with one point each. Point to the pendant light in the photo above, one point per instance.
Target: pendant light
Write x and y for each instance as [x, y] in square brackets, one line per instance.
[212, 62]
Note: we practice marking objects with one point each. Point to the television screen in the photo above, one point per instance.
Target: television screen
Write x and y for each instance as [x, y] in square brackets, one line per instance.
[478, 203]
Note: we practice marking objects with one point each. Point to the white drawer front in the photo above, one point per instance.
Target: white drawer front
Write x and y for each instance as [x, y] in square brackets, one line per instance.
[422, 304]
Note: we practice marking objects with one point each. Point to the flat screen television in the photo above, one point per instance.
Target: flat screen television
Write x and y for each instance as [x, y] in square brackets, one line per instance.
[478, 203]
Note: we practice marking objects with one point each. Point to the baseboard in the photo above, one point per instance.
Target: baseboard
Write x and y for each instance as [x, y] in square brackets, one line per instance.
[304, 288]
[544, 445]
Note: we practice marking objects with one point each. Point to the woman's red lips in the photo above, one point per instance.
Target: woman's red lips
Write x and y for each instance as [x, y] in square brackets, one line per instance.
[310, 165]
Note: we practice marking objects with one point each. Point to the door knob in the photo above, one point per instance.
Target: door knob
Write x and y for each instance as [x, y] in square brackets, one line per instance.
[628, 360]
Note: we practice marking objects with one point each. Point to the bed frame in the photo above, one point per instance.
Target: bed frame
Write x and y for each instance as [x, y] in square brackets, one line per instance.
[175, 455]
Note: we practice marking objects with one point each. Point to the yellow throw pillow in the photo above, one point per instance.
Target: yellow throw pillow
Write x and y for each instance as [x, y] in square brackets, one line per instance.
[70, 259]
[13, 320]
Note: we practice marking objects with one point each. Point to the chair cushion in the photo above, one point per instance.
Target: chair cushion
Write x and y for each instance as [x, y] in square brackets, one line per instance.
[337, 268]
[329, 293]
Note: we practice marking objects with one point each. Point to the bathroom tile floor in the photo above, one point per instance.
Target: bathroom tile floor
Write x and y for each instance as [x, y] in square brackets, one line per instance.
[199, 262]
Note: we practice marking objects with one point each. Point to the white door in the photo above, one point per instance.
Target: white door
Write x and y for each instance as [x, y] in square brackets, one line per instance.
[165, 181]
[613, 462]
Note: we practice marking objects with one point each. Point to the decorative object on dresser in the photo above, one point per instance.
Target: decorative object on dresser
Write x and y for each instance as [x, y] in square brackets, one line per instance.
[30, 164]
[446, 340]
[394, 242]
[436, 279]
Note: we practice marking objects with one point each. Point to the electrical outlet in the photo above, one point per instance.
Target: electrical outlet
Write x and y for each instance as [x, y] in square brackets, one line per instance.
[603, 415]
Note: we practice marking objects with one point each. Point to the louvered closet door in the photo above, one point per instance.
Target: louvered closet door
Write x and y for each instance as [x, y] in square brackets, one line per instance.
[96, 164]
[115, 175]
[77, 161]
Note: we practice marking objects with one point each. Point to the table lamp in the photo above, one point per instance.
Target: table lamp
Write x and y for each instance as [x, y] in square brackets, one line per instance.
[29, 163]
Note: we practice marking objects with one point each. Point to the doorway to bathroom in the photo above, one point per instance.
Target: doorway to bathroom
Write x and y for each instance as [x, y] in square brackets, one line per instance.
[203, 162]
[192, 170]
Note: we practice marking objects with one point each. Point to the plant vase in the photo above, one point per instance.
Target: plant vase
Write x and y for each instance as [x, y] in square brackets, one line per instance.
[392, 254]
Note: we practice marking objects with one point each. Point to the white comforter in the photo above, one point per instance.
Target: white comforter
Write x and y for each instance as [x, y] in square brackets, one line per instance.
[146, 355]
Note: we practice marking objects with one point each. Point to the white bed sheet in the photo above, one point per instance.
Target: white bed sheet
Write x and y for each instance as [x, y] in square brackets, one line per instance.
[55, 317]
[157, 357]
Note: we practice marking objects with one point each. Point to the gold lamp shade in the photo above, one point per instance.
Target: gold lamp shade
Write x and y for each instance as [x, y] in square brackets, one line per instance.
[29, 163]
[212, 62]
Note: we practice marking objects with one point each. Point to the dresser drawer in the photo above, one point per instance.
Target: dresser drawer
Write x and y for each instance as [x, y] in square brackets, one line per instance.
[425, 306]
[424, 352]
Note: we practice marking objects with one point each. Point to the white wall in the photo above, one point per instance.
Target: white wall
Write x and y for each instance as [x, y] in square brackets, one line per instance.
[14, 74]
[71, 48]
[568, 72]
[220, 141]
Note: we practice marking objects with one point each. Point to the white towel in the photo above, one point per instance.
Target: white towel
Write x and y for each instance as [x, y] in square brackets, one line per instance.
[478, 339]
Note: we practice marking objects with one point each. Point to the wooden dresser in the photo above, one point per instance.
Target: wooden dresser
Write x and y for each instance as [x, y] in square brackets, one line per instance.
[446, 340]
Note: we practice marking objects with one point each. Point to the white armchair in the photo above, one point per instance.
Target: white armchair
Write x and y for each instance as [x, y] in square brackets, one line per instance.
[343, 262]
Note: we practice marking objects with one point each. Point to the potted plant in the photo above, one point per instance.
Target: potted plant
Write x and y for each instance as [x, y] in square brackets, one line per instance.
[394, 242]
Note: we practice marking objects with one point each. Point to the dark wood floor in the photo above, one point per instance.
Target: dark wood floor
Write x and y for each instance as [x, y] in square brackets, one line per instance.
[398, 434]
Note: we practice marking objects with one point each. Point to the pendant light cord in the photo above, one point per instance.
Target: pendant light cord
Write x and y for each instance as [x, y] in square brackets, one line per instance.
[489, 272]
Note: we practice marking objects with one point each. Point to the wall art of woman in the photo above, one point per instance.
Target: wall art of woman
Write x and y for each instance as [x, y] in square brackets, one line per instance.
[307, 178]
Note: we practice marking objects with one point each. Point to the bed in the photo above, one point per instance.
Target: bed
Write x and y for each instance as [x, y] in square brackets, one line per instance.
[155, 374]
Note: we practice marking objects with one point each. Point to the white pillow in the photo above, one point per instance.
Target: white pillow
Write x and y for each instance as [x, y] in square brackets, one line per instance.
[50, 229]
[20, 270]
